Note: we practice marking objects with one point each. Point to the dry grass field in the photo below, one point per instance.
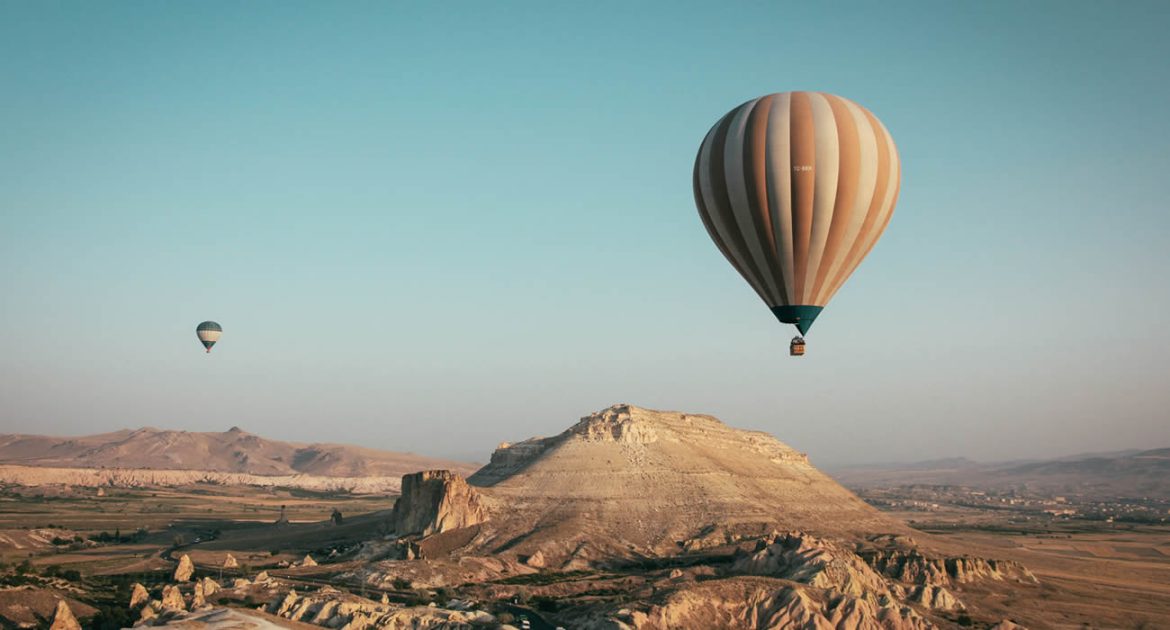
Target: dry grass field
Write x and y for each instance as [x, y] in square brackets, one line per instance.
[1093, 574]
[196, 517]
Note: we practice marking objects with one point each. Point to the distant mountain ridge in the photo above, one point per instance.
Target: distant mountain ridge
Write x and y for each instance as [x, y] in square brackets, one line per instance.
[232, 451]
[1128, 473]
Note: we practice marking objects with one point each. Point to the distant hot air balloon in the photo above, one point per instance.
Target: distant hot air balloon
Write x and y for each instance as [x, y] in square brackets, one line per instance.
[208, 333]
[795, 188]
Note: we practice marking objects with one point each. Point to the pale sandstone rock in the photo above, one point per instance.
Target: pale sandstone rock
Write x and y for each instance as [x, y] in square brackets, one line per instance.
[536, 560]
[185, 570]
[436, 501]
[197, 599]
[914, 567]
[138, 595]
[803, 558]
[149, 612]
[936, 597]
[172, 598]
[63, 618]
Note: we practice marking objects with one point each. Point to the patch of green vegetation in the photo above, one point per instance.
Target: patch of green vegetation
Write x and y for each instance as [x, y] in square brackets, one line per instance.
[117, 538]
[540, 579]
[546, 604]
[304, 493]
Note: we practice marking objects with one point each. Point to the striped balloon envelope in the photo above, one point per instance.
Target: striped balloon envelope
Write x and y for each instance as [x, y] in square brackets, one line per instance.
[795, 188]
[208, 333]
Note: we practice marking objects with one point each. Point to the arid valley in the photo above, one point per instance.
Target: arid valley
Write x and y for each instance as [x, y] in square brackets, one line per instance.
[630, 518]
[529, 315]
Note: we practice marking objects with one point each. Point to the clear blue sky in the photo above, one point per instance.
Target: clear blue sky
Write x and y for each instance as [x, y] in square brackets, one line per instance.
[436, 226]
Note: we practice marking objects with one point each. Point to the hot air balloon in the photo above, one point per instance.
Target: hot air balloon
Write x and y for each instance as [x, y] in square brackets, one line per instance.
[208, 333]
[795, 188]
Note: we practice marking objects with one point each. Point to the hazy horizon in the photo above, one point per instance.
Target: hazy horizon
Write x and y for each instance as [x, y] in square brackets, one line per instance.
[482, 458]
[433, 231]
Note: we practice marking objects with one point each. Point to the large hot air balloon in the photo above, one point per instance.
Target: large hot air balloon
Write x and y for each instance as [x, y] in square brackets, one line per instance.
[795, 188]
[208, 333]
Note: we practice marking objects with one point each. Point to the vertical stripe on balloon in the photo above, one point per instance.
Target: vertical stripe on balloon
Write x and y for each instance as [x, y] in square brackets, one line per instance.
[803, 141]
[779, 183]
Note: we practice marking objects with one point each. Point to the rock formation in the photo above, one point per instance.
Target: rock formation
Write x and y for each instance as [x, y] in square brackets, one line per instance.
[198, 600]
[914, 567]
[631, 481]
[149, 612]
[230, 562]
[172, 598]
[936, 597]
[333, 609]
[764, 603]
[63, 618]
[138, 595]
[823, 564]
[436, 501]
[308, 561]
[185, 570]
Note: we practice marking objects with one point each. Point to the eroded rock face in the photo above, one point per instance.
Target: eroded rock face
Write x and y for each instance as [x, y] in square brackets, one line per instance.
[149, 612]
[616, 424]
[63, 618]
[610, 485]
[509, 458]
[185, 570]
[936, 597]
[138, 595]
[536, 560]
[172, 598]
[766, 603]
[333, 609]
[197, 599]
[820, 563]
[435, 501]
[914, 567]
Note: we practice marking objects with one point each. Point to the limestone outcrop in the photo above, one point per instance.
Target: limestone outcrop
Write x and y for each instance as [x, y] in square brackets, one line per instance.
[185, 570]
[936, 597]
[436, 501]
[332, 609]
[138, 595]
[802, 558]
[63, 618]
[914, 567]
[633, 482]
[172, 598]
[767, 604]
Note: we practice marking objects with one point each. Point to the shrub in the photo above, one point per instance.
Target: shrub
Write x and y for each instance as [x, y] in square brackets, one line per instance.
[545, 603]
